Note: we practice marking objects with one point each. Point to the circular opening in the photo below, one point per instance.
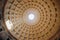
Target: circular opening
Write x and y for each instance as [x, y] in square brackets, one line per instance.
[31, 16]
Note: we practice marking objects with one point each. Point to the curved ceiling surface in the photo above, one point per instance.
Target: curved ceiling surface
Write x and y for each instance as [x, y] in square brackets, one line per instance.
[32, 19]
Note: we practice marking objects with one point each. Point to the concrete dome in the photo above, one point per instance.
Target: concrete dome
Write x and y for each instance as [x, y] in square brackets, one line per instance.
[46, 19]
